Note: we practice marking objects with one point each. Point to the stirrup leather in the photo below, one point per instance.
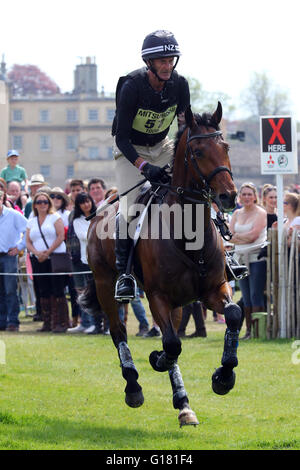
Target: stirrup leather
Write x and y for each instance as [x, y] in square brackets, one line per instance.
[126, 297]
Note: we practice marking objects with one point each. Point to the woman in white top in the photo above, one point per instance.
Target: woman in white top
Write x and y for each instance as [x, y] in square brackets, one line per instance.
[248, 226]
[84, 206]
[60, 202]
[45, 235]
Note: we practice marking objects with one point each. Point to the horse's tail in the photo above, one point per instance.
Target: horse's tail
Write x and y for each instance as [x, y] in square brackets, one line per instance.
[88, 299]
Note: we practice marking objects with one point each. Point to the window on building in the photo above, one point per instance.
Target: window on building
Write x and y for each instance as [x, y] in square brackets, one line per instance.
[71, 142]
[45, 170]
[93, 115]
[44, 115]
[70, 171]
[17, 142]
[17, 115]
[93, 153]
[72, 115]
[45, 142]
[110, 114]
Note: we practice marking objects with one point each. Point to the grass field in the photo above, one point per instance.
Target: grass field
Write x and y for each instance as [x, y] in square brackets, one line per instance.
[67, 392]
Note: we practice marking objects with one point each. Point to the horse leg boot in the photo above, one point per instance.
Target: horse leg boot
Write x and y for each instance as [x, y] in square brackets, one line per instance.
[223, 379]
[180, 400]
[125, 286]
[45, 303]
[134, 395]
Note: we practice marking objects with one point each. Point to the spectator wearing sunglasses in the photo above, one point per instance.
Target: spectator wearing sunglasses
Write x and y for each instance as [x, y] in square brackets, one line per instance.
[46, 228]
[60, 202]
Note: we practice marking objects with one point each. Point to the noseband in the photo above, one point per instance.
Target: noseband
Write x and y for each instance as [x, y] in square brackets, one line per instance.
[205, 180]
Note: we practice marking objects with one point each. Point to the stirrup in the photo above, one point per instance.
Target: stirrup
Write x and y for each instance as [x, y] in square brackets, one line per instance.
[127, 297]
[236, 270]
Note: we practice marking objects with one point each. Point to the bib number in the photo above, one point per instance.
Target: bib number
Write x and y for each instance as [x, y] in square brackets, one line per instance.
[149, 122]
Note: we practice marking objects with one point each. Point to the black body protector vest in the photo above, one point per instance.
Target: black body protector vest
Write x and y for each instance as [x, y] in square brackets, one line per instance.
[155, 111]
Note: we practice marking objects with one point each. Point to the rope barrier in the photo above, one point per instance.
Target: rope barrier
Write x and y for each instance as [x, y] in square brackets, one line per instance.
[45, 274]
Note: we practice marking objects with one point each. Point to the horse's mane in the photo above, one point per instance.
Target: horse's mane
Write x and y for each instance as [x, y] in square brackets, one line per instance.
[204, 119]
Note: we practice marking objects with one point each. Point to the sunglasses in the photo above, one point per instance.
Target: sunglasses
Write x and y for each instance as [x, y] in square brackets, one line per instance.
[42, 201]
[56, 196]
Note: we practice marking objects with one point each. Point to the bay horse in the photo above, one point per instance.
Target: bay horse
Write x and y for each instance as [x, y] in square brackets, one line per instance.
[171, 275]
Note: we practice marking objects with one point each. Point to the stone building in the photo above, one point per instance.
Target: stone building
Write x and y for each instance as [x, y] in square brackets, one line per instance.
[64, 135]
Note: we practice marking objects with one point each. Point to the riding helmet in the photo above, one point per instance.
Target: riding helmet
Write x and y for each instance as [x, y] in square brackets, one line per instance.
[160, 43]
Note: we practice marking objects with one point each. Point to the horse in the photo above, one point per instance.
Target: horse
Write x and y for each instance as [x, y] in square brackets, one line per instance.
[170, 274]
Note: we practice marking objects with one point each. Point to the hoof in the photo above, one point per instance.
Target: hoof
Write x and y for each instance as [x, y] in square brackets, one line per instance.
[134, 400]
[221, 384]
[153, 358]
[187, 417]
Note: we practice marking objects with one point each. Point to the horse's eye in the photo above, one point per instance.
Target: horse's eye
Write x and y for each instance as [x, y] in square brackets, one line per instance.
[198, 153]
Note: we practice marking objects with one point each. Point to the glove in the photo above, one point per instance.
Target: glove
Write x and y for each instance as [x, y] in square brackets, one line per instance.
[154, 173]
[263, 253]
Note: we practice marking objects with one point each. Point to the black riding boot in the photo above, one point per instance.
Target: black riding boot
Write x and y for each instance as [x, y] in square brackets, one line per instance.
[126, 284]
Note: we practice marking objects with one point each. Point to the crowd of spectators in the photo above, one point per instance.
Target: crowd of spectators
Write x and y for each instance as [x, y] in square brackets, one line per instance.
[37, 220]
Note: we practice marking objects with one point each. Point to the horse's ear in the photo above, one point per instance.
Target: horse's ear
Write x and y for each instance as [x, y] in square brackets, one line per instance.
[189, 117]
[217, 115]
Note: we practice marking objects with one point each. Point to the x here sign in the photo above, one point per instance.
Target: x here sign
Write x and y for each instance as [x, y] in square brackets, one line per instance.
[278, 145]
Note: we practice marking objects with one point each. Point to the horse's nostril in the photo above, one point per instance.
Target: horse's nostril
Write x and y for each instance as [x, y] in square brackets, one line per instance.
[228, 201]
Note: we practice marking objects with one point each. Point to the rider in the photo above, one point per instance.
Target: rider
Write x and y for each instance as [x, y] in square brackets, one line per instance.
[148, 100]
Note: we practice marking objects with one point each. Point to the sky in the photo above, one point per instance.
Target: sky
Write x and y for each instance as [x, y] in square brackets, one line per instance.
[223, 42]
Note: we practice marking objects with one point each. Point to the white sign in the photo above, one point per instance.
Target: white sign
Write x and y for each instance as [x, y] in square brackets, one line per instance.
[278, 139]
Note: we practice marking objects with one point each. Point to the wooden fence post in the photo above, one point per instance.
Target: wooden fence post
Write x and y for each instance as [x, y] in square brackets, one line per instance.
[276, 295]
[269, 285]
[297, 287]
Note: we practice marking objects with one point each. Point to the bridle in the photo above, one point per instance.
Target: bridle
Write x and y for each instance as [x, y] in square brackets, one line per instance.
[205, 192]
[205, 180]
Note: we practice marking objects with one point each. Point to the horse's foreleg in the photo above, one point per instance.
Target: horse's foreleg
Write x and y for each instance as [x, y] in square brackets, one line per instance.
[223, 379]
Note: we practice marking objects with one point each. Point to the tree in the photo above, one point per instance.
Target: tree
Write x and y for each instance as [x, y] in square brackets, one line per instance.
[29, 79]
[206, 101]
[263, 97]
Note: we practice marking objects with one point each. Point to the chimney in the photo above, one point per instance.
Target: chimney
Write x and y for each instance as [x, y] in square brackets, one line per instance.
[3, 69]
[85, 77]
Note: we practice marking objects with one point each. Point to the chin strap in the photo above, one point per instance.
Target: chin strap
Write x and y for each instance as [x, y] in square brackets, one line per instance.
[153, 70]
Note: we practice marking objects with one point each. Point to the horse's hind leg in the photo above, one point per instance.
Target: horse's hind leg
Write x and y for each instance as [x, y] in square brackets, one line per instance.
[223, 379]
[180, 399]
[133, 391]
